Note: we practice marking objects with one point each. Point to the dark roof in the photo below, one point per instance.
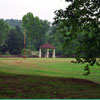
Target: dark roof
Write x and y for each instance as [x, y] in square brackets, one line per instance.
[47, 46]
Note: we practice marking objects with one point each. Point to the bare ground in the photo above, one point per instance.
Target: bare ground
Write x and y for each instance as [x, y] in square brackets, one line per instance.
[40, 87]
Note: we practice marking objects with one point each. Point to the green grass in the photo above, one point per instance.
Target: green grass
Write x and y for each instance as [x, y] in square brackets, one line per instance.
[47, 78]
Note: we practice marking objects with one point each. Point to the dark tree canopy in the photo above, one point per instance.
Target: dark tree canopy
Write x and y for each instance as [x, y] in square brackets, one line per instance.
[14, 42]
[82, 17]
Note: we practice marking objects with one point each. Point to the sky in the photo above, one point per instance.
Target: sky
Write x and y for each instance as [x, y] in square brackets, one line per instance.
[44, 9]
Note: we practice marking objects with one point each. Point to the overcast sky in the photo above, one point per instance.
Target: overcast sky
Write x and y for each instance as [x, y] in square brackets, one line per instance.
[44, 9]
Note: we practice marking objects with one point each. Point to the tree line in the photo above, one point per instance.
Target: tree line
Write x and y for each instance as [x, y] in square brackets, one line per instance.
[38, 32]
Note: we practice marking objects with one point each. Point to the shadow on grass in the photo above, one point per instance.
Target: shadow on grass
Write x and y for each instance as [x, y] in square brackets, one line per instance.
[42, 87]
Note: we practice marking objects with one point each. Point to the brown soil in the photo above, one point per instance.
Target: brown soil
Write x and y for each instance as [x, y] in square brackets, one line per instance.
[39, 87]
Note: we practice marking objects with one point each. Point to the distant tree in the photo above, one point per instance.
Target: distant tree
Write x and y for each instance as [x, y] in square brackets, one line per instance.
[14, 22]
[14, 42]
[82, 17]
[4, 29]
[55, 38]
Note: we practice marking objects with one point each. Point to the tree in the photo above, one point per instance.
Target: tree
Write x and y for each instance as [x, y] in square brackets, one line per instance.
[4, 29]
[14, 22]
[55, 38]
[35, 30]
[14, 42]
[82, 17]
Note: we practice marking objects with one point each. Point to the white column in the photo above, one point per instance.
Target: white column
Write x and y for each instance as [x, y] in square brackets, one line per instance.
[40, 53]
[53, 53]
[47, 53]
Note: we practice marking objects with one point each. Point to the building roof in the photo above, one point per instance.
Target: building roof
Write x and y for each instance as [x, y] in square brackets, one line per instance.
[47, 46]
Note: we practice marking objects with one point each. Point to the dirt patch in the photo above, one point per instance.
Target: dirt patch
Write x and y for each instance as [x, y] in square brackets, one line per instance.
[31, 87]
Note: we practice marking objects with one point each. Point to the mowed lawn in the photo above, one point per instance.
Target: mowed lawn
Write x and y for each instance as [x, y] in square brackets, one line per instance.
[47, 78]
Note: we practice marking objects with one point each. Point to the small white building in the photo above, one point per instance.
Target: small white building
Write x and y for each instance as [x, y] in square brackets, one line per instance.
[47, 46]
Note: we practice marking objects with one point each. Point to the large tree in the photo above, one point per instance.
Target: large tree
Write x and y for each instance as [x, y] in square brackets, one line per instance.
[35, 29]
[82, 17]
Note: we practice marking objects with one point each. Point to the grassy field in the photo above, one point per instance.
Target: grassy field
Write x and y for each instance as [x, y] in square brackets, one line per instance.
[47, 78]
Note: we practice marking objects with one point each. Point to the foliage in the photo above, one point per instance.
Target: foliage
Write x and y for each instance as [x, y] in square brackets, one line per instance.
[14, 22]
[14, 41]
[38, 32]
[82, 17]
[4, 29]
[56, 39]
[35, 29]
